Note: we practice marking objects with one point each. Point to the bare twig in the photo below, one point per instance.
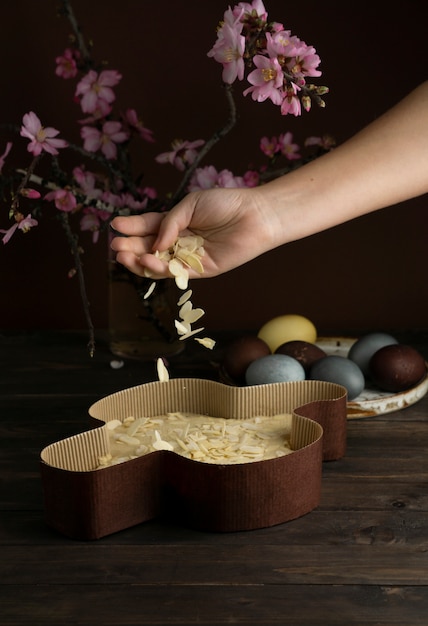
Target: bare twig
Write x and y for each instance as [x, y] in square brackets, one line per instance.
[219, 134]
[75, 250]
[67, 11]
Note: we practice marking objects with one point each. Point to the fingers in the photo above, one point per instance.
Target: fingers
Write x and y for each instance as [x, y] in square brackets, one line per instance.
[131, 262]
[136, 245]
[176, 222]
[138, 225]
[139, 265]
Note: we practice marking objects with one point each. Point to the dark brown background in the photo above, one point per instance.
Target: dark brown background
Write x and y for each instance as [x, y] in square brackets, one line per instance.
[369, 273]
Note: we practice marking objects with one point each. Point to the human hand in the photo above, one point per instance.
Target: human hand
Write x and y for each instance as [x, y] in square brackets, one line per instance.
[232, 223]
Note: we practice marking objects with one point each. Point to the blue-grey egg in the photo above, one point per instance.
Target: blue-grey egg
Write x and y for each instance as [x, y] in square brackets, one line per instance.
[365, 347]
[274, 368]
[339, 370]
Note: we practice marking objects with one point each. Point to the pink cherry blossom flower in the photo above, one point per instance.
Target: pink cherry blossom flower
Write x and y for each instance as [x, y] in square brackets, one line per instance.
[203, 178]
[101, 110]
[267, 79]
[227, 179]
[32, 194]
[41, 138]
[229, 49]
[304, 63]
[291, 104]
[269, 147]
[132, 119]
[92, 221]
[251, 178]
[254, 8]
[66, 66]
[24, 224]
[64, 200]
[94, 87]
[105, 139]
[149, 192]
[124, 200]
[182, 155]
[276, 27]
[283, 43]
[87, 183]
[4, 155]
[208, 178]
[289, 149]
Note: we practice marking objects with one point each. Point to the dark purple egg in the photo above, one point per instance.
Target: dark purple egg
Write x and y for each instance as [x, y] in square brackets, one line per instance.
[303, 351]
[397, 367]
[241, 353]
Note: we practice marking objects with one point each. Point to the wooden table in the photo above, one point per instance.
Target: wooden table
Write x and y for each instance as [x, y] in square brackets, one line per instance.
[360, 558]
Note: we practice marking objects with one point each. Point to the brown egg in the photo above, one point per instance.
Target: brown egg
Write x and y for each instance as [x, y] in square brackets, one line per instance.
[397, 367]
[240, 353]
[303, 351]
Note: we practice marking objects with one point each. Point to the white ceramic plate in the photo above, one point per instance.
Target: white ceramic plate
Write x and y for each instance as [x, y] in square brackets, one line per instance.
[373, 401]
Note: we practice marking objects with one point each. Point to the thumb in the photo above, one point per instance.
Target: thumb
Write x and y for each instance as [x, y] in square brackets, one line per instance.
[174, 223]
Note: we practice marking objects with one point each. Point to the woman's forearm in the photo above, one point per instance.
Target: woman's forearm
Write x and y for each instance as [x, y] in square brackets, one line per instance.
[382, 165]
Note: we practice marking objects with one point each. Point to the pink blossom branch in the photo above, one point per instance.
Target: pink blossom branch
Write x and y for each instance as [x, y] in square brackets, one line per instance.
[67, 11]
[23, 183]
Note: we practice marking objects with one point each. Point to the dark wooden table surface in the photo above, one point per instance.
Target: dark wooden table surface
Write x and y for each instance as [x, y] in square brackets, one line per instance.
[360, 558]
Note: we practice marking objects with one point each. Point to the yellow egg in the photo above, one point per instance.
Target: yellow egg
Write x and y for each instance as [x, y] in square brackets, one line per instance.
[287, 328]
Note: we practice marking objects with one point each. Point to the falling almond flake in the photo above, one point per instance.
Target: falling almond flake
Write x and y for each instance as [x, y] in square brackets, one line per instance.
[186, 252]
[163, 374]
[182, 281]
[193, 315]
[191, 333]
[207, 342]
[150, 290]
[182, 329]
[185, 297]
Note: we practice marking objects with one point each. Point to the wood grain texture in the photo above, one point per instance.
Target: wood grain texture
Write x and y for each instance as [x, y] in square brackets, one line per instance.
[360, 558]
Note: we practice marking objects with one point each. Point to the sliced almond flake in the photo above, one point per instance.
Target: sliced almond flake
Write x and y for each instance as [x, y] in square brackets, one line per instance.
[182, 281]
[191, 242]
[181, 327]
[194, 261]
[185, 309]
[193, 315]
[105, 460]
[150, 290]
[176, 268]
[181, 443]
[163, 374]
[120, 459]
[252, 449]
[113, 424]
[191, 333]
[131, 441]
[160, 444]
[133, 428]
[206, 342]
[197, 454]
[186, 296]
[163, 256]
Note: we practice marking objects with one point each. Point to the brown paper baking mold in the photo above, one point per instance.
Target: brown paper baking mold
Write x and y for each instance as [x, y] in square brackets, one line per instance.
[87, 503]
